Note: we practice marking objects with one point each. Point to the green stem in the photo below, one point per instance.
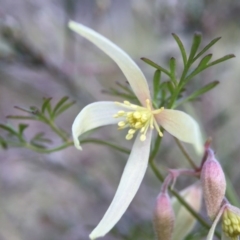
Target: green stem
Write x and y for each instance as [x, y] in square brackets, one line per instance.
[155, 148]
[58, 131]
[101, 142]
[185, 153]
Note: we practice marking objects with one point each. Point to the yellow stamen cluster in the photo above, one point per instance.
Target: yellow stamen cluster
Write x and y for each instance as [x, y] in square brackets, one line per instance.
[138, 118]
[231, 224]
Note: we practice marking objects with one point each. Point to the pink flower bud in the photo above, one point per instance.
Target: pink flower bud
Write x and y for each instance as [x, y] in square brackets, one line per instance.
[163, 217]
[213, 184]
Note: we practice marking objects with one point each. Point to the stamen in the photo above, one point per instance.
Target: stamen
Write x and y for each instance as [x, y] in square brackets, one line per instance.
[137, 125]
[121, 124]
[143, 137]
[137, 115]
[138, 118]
[144, 117]
[158, 110]
[148, 104]
[129, 136]
[120, 113]
[131, 131]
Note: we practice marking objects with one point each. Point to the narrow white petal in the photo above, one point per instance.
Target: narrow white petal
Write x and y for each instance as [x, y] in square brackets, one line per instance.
[130, 181]
[130, 69]
[181, 126]
[212, 229]
[92, 116]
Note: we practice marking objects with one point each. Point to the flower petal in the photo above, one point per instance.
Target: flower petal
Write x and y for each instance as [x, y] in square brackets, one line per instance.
[184, 221]
[130, 181]
[130, 69]
[92, 116]
[212, 229]
[181, 126]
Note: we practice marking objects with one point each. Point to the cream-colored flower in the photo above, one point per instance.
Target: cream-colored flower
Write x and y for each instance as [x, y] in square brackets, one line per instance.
[137, 119]
[230, 223]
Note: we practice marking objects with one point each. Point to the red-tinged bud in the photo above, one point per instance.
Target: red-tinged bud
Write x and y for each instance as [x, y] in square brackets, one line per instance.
[163, 217]
[213, 184]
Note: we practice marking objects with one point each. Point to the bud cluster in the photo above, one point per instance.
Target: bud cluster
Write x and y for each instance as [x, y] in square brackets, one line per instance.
[213, 186]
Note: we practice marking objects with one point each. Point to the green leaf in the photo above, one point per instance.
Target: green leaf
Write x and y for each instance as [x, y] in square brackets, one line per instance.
[59, 104]
[181, 47]
[38, 145]
[156, 83]
[23, 109]
[153, 64]
[64, 108]
[35, 111]
[225, 58]
[21, 128]
[207, 47]
[201, 66]
[203, 90]
[114, 92]
[197, 38]
[172, 66]
[46, 105]
[9, 129]
[126, 89]
[39, 137]
[3, 143]
[204, 61]
[170, 87]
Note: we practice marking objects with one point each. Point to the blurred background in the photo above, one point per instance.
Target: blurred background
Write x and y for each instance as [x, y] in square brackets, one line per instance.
[63, 195]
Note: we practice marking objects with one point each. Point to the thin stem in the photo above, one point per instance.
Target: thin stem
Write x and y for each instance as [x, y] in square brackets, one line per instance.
[101, 142]
[185, 153]
[58, 131]
[42, 150]
[156, 171]
[156, 147]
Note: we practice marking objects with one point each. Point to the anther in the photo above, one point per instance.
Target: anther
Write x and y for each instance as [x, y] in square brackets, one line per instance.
[121, 124]
[144, 118]
[131, 131]
[129, 136]
[120, 113]
[143, 137]
[137, 125]
[126, 102]
[137, 115]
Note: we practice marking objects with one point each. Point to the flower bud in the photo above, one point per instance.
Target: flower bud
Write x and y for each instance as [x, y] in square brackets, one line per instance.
[163, 217]
[213, 184]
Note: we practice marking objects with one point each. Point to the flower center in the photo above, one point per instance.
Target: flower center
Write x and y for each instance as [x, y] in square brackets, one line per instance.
[138, 118]
[231, 224]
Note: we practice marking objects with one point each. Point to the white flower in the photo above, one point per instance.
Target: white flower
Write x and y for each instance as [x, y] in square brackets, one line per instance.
[230, 223]
[137, 119]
